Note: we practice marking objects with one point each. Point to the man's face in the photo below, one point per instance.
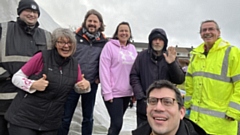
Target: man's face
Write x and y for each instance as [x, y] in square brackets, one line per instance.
[29, 16]
[163, 118]
[93, 24]
[157, 44]
[209, 33]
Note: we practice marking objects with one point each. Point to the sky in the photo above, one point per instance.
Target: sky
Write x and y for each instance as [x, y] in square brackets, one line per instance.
[180, 19]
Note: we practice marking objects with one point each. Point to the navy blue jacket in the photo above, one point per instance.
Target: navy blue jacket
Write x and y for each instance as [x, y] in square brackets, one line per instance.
[87, 55]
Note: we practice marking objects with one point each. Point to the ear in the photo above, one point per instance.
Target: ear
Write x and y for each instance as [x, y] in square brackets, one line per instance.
[182, 112]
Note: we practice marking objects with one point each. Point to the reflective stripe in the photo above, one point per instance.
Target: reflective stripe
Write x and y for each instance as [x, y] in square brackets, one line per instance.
[236, 78]
[7, 96]
[18, 58]
[2, 70]
[234, 105]
[48, 40]
[3, 57]
[187, 98]
[188, 74]
[213, 76]
[223, 76]
[208, 112]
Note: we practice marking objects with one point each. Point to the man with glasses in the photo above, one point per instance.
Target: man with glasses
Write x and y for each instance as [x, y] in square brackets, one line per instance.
[213, 83]
[19, 41]
[165, 112]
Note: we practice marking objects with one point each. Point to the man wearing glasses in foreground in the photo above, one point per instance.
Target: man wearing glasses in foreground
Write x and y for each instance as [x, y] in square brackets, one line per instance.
[165, 112]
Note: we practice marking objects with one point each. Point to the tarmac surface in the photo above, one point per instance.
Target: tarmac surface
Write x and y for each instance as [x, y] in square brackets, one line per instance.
[101, 119]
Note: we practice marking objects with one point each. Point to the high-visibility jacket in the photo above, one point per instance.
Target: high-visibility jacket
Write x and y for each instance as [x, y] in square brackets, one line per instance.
[213, 88]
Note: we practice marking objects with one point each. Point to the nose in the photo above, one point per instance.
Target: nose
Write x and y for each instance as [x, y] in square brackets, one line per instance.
[31, 13]
[159, 106]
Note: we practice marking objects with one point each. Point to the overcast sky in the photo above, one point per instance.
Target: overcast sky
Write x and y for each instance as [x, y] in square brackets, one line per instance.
[179, 18]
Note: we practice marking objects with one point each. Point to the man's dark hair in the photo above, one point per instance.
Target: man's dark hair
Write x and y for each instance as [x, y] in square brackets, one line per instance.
[116, 32]
[166, 84]
[99, 16]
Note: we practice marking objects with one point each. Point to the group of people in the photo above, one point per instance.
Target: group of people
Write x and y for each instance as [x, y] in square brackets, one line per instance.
[43, 75]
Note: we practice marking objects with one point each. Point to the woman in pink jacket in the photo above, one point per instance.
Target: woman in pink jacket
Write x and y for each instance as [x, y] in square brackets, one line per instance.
[116, 61]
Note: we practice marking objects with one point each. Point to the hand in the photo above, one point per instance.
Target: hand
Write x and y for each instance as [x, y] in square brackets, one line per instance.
[40, 84]
[83, 84]
[111, 100]
[170, 58]
[229, 118]
[97, 81]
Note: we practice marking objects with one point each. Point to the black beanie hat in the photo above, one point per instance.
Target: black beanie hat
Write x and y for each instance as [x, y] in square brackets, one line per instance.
[27, 4]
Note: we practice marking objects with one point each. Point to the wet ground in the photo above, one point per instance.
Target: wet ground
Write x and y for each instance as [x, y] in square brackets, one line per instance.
[101, 119]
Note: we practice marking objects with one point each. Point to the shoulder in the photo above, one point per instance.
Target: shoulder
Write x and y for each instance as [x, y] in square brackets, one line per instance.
[143, 53]
[193, 127]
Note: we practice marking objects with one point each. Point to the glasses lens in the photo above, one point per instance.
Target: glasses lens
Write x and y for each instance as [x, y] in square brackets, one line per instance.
[167, 101]
[152, 101]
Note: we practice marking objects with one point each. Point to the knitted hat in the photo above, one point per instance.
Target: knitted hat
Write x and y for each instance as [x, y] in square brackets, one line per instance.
[27, 4]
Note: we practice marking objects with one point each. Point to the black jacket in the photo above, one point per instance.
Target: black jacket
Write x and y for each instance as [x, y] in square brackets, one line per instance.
[21, 43]
[186, 127]
[148, 68]
[43, 110]
[88, 53]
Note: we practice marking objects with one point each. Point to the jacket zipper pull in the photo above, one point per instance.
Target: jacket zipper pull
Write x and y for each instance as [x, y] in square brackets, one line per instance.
[61, 71]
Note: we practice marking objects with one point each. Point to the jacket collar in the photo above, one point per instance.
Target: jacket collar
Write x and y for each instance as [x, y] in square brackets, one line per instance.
[25, 27]
[219, 44]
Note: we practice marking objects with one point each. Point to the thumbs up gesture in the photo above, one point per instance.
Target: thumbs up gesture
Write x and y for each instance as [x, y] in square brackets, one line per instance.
[40, 84]
[83, 84]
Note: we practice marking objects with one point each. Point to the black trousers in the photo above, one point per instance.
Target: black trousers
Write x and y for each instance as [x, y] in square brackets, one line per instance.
[116, 110]
[16, 130]
[141, 112]
[3, 126]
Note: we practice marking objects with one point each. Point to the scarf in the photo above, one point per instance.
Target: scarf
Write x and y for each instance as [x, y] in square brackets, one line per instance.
[91, 36]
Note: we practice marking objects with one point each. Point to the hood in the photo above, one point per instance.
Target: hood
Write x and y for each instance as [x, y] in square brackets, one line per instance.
[158, 33]
[117, 43]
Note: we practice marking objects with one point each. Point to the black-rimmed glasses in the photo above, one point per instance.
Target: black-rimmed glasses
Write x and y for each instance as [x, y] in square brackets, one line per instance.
[165, 101]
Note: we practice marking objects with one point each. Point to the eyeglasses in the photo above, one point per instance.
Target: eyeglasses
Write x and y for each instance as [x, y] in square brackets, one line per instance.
[165, 101]
[64, 43]
[208, 29]
[30, 11]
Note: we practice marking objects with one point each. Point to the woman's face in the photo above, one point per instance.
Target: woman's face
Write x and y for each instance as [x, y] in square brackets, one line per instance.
[64, 47]
[123, 34]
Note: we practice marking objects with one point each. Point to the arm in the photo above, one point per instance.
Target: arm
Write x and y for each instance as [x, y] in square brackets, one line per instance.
[33, 66]
[135, 80]
[233, 110]
[104, 73]
[189, 85]
[176, 73]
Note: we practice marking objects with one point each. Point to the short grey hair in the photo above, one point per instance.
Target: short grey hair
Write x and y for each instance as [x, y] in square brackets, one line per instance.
[207, 21]
[64, 33]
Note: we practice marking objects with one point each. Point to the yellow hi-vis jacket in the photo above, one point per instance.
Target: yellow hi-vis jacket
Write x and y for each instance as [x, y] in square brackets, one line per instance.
[213, 88]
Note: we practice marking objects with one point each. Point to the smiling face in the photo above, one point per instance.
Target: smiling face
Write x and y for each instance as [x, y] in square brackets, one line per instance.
[123, 34]
[92, 23]
[29, 16]
[64, 47]
[209, 33]
[164, 119]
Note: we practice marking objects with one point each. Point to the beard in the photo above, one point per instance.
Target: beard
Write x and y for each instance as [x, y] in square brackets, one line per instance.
[157, 48]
